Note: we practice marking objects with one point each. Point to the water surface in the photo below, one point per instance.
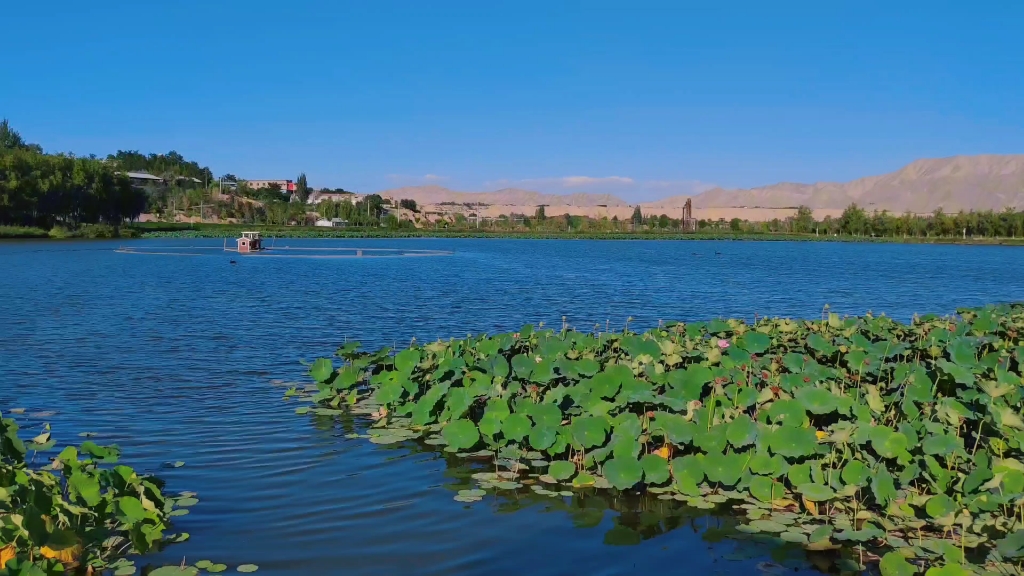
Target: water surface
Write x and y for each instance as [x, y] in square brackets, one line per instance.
[172, 357]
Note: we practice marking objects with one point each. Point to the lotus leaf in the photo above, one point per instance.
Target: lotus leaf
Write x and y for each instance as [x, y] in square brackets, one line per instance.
[882, 486]
[673, 426]
[543, 437]
[816, 492]
[589, 431]
[321, 369]
[766, 489]
[689, 469]
[817, 400]
[690, 382]
[894, 564]
[561, 469]
[856, 473]
[522, 366]
[741, 431]
[544, 414]
[516, 426]
[792, 442]
[656, 469]
[406, 360]
[461, 434]
[724, 468]
[941, 444]
[788, 413]
[623, 473]
[754, 342]
[939, 506]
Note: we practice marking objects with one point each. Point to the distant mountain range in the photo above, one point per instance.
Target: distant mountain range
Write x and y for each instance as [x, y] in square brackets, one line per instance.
[986, 182]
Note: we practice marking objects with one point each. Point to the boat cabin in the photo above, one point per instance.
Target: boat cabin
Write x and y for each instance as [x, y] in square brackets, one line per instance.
[249, 242]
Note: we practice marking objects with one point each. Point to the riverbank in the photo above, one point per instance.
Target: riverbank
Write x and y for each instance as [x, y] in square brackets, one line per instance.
[160, 230]
[167, 230]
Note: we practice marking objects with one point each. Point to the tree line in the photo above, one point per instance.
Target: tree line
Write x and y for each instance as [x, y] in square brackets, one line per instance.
[856, 221]
[45, 190]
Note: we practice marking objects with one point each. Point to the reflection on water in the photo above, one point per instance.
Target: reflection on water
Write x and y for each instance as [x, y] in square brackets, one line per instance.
[170, 358]
[621, 518]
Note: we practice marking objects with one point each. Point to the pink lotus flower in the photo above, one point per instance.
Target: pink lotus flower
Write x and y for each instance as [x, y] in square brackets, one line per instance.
[723, 344]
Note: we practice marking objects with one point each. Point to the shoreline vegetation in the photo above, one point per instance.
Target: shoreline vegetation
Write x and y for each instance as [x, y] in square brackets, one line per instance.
[862, 440]
[64, 196]
[198, 231]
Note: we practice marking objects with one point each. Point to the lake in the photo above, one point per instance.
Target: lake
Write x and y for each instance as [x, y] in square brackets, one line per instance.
[179, 358]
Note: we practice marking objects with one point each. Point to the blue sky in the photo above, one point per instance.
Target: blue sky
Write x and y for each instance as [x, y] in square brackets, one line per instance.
[641, 99]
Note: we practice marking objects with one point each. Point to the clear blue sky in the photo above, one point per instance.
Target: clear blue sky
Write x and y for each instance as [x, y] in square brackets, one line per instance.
[663, 96]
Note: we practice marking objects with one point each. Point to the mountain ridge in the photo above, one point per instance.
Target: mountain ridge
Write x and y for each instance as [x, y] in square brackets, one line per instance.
[954, 183]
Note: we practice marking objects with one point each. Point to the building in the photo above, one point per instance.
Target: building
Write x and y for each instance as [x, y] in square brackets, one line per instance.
[285, 185]
[332, 223]
[318, 197]
[142, 178]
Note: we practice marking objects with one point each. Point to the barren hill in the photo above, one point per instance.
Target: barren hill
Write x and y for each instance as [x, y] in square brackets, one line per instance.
[988, 182]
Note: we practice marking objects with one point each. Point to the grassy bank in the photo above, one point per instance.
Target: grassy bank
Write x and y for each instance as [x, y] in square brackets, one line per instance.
[164, 230]
[863, 439]
[88, 231]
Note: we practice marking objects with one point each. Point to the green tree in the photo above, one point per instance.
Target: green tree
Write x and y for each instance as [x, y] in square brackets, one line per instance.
[638, 216]
[853, 220]
[302, 188]
[539, 215]
[803, 222]
[735, 224]
[408, 204]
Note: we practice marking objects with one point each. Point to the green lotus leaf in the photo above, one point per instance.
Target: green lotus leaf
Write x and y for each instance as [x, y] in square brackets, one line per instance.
[321, 369]
[690, 382]
[543, 437]
[766, 489]
[673, 426]
[589, 431]
[817, 400]
[689, 468]
[587, 366]
[816, 492]
[461, 434]
[793, 442]
[523, 366]
[724, 468]
[741, 431]
[894, 564]
[656, 469]
[941, 444]
[762, 463]
[959, 374]
[799, 474]
[561, 469]
[623, 473]
[713, 440]
[516, 426]
[406, 360]
[856, 473]
[823, 346]
[1012, 546]
[544, 414]
[767, 526]
[940, 505]
[788, 413]
[754, 342]
[746, 397]
[963, 352]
